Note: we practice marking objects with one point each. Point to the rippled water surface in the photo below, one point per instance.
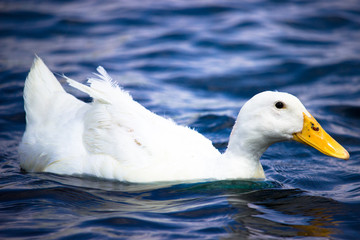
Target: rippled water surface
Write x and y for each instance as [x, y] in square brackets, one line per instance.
[196, 62]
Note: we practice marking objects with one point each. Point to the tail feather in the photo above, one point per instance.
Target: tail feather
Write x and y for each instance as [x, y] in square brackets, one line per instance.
[40, 87]
[102, 89]
[95, 94]
[102, 74]
[43, 91]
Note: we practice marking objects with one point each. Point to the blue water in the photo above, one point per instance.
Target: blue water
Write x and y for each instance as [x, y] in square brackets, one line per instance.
[196, 62]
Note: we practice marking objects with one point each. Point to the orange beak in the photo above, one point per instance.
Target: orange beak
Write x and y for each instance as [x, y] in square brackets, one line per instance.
[315, 136]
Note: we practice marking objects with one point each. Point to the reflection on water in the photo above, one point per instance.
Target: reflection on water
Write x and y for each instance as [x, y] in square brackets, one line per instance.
[227, 209]
[286, 213]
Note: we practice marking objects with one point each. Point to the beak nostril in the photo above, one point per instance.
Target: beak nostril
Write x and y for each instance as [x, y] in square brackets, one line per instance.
[313, 127]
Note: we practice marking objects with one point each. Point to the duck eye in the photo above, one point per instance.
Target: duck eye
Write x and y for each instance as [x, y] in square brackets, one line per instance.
[279, 105]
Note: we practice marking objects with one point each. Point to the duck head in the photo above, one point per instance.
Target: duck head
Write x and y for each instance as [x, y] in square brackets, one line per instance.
[271, 117]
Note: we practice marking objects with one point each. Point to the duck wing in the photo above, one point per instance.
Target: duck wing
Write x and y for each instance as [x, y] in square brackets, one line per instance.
[120, 127]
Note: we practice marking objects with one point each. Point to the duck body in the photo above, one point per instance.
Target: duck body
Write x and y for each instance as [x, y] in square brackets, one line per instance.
[114, 137]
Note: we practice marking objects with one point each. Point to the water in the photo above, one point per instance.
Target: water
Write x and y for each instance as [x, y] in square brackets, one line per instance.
[196, 62]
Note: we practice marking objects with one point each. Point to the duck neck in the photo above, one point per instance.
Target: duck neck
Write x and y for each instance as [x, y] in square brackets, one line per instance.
[246, 147]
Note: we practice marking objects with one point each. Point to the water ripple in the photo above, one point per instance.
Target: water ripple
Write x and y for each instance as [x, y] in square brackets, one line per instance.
[196, 62]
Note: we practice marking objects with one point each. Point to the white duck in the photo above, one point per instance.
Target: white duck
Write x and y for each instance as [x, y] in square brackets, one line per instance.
[115, 137]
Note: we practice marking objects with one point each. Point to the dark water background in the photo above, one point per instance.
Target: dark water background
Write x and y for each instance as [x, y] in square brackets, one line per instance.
[196, 62]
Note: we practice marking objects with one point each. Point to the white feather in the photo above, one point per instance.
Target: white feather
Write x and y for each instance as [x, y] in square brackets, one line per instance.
[115, 137]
